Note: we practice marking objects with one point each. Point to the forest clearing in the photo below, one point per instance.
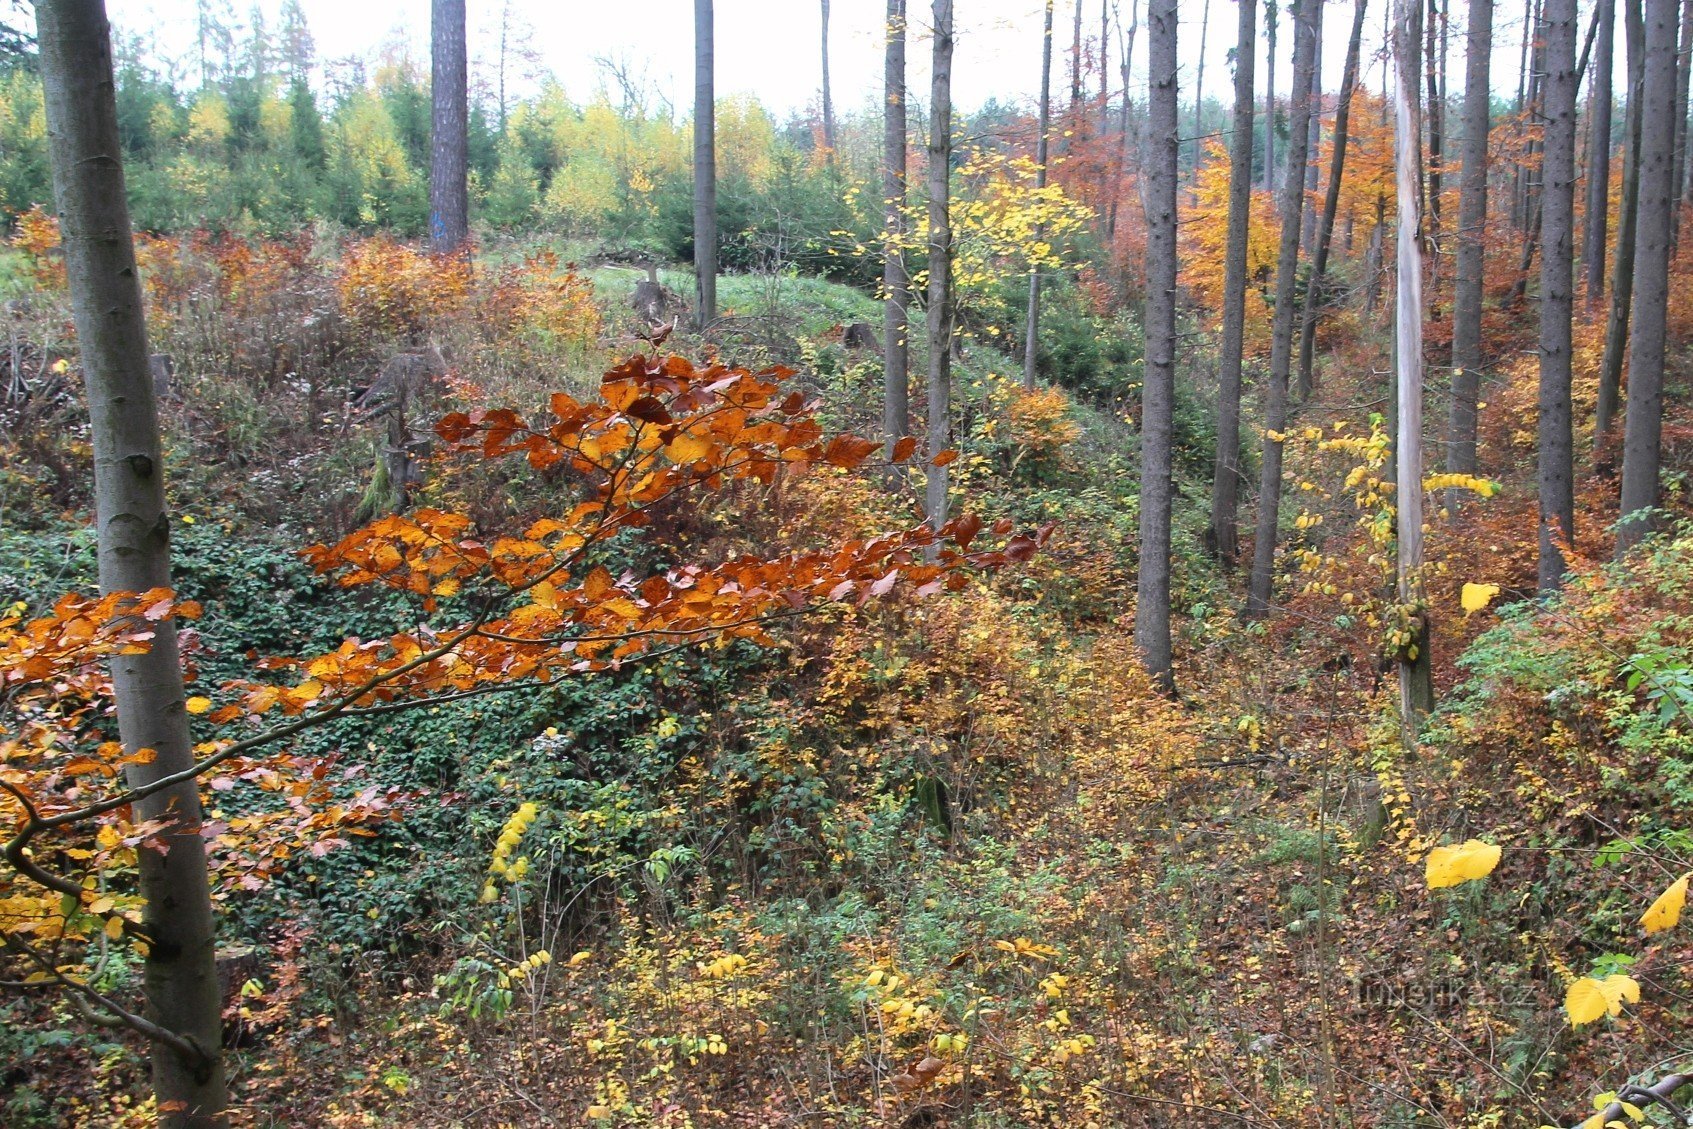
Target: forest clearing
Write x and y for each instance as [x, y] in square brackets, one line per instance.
[1056, 582]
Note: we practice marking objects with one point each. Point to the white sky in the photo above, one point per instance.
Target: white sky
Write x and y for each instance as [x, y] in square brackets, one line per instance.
[769, 48]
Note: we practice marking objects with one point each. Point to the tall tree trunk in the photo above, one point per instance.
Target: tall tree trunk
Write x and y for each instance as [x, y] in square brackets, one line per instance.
[940, 263]
[1600, 107]
[1076, 69]
[1270, 95]
[1281, 334]
[896, 280]
[1416, 686]
[1557, 225]
[1104, 67]
[180, 970]
[1435, 116]
[1152, 606]
[1199, 102]
[1225, 486]
[1031, 324]
[1313, 144]
[1622, 260]
[828, 96]
[1472, 246]
[1314, 290]
[1644, 430]
[1125, 128]
[449, 147]
[705, 167]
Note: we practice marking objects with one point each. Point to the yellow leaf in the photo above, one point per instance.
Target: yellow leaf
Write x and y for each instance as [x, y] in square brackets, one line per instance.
[1585, 1002]
[114, 928]
[198, 705]
[1618, 988]
[1477, 596]
[1452, 866]
[686, 449]
[1666, 911]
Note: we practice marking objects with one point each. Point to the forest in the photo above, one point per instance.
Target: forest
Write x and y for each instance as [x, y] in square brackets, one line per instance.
[1155, 599]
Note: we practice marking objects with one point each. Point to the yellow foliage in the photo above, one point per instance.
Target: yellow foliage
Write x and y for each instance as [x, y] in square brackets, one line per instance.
[1452, 866]
[1666, 911]
[1588, 1000]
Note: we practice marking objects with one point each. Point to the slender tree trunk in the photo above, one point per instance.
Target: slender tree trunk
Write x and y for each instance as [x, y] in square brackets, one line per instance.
[1152, 607]
[1076, 69]
[1644, 429]
[1313, 144]
[1599, 159]
[1120, 172]
[1416, 686]
[1031, 324]
[1314, 288]
[1557, 204]
[1225, 487]
[705, 167]
[940, 263]
[828, 97]
[896, 281]
[1270, 96]
[1281, 335]
[1472, 246]
[1622, 260]
[1435, 116]
[449, 149]
[180, 970]
[1104, 68]
[1678, 161]
[1199, 102]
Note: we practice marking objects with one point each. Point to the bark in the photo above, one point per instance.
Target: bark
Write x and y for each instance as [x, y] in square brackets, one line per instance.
[1152, 607]
[1225, 487]
[1678, 162]
[1622, 261]
[1125, 126]
[828, 97]
[1031, 324]
[1199, 102]
[705, 167]
[1557, 225]
[1104, 67]
[940, 263]
[1644, 431]
[1431, 213]
[1416, 687]
[449, 148]
[1600, 107]
[1472, 246]
[1314, 289]
[1076, 68]
[1270, 96]
[1281, 333]
[180, 971]
[1313, 144]
[896, 281]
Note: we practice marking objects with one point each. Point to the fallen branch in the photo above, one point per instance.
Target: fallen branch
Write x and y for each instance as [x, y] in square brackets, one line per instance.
[1656, 1094]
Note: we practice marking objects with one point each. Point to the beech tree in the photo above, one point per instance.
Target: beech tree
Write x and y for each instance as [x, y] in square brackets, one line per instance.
[1225, 485]
[1622, 261]
[940, 265]
[1472, 245]
[449, 160]
[1262, 578]
[184, 1008]
[1031, 324]
[1557, 226]
[1644, 427]
[1152, 606]
[705, 167]
[896, 280]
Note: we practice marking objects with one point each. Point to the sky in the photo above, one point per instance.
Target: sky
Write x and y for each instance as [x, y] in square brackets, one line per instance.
[770, 48]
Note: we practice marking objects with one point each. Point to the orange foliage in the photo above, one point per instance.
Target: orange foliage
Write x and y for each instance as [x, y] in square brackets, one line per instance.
[394, 290]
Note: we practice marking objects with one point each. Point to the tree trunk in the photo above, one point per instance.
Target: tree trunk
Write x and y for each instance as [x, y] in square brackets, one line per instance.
[1270, 96]
[1622, 261]
[180, 971]
[1104, 67]
[1031, 325]
[1313, 145]
[1557, 226]
[449, 148]
[828, 98]
[1314, 295]
[1125, 127]
[1076, 69]
[1600, 106]
[1416, 687]
[1281, 334]
[1225, 487]
[1152, 607]
[1436, 117]
[1199, 103]
[705, 167]
[896, 280]
[1472, 246]
[1644, 430]
[940, 264]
